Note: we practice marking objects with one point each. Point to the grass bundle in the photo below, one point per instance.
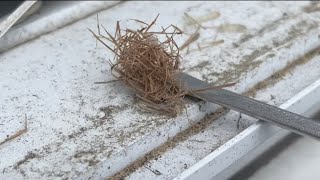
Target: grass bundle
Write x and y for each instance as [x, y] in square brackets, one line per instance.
[146, 64]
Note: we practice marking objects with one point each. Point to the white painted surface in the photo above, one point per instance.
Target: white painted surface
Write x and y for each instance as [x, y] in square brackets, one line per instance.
[50, 79]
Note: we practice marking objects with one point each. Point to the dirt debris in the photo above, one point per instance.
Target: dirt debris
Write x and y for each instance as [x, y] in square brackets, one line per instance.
[170, 144]
[18, 133]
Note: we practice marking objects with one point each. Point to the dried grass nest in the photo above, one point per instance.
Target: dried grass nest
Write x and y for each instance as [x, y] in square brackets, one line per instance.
[148, 65]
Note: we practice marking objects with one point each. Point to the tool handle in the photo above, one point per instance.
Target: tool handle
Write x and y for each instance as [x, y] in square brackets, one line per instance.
[274, 115]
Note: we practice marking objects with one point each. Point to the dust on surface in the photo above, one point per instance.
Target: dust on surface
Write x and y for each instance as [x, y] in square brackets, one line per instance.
[182, 136]
[277, 76]
[313, 7]
[200, 66]
[265, 29]
[26, 158]
[88, 155]
[251, 61]
[232, 28]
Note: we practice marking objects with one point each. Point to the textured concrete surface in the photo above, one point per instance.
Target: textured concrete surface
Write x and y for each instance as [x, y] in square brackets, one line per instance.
[78, 129]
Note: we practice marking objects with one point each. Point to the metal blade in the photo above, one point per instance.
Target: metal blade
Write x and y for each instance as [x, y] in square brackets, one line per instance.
[15, 16]
[274, 115]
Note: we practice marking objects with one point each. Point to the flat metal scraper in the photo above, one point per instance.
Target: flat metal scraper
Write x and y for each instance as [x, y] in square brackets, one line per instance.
[274, 115]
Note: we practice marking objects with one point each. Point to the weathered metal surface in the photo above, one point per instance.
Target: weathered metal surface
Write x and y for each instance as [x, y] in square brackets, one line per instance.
[97, 130]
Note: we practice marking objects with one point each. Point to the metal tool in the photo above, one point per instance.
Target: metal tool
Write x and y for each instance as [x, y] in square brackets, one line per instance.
[15, 16]
[274, 115]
